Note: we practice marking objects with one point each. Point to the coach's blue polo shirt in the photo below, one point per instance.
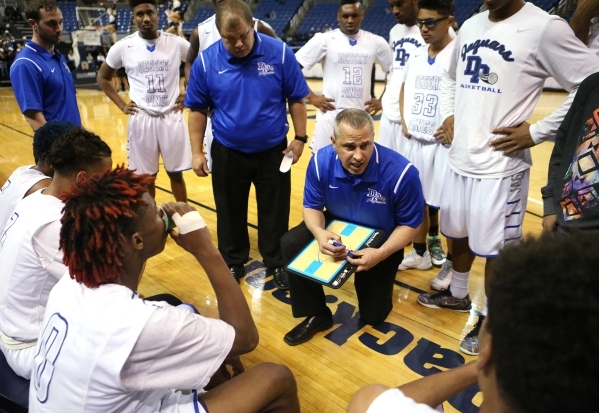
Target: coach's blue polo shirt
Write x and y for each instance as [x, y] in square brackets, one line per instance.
[386, 195]
[248, 95]
[42, 81]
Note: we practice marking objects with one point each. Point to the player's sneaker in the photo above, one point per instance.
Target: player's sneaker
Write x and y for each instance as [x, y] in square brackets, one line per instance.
[443, 279]
[444, 299]
[469, 344]
[416, 262]
[436, 249]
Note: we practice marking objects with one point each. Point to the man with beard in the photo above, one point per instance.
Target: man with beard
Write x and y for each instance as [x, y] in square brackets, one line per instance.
[40, 75]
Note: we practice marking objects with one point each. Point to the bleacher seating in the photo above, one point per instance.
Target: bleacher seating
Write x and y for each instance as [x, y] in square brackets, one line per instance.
[379, 19]
[69, 16]
[277, 13]
[322, 16]
[200, 15]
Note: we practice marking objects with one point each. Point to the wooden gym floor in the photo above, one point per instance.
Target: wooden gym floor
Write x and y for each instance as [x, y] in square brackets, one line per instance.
[329, 369]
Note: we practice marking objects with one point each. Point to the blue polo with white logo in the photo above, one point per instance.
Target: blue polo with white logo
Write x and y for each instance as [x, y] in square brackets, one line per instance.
[42, 81]
[386, 195]
[248, 96]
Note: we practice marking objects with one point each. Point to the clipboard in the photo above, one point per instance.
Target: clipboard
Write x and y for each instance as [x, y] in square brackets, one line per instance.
[312, 264]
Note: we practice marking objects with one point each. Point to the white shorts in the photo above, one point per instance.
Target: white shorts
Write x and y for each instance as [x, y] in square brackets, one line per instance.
[177, 401]
[489, 212]
[430, 158]
[390, 135]
[323, 129]
[394, 401]
[149, 136]
[21, 361]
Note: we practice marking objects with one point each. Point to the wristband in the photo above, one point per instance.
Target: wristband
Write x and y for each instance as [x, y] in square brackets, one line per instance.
[302, 138]
[189, 222]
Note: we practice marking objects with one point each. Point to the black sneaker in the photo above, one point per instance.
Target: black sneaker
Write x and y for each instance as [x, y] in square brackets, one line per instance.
[238, 271]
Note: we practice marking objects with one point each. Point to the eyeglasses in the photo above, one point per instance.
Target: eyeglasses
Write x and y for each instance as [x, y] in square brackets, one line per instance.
[430, 23]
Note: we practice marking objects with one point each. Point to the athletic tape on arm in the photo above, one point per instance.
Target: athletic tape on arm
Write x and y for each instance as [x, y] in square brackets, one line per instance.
[189, 222]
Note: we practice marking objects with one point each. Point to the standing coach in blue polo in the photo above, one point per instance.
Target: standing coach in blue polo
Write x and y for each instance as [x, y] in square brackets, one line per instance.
[246, 79]
[40, 76]
[358, 181]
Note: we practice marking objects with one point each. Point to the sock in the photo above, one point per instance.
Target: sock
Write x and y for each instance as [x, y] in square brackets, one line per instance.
[420, 248]
[433, 231]
[459, 284]
[486, 308]
[449, 257]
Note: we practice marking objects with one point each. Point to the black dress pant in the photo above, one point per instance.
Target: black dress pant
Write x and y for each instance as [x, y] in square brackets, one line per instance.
[233, 172]
[373, 287]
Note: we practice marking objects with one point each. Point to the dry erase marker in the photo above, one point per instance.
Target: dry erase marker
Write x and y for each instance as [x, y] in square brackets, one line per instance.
[336, 244]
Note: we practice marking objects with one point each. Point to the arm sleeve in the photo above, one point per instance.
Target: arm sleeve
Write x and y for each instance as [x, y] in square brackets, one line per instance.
[312, 190]
[177, 350]
[448, 84]
[408, 199]
[565, 58]
[312, 52]
[114, 58]
[198, 95]
[294, 83]
[384, 56]
[46, 243]
[27, 77]
[183, 48]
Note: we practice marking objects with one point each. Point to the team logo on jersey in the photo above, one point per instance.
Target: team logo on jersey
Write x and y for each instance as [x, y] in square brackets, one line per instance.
[264, 69]
[477, 70]
[375, 197]
[151, 48]
[353, 42]
[401, 55]
[487, 44]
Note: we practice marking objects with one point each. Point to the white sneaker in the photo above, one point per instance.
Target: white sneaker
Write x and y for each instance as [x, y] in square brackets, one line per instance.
[416, 262]
[443, 279]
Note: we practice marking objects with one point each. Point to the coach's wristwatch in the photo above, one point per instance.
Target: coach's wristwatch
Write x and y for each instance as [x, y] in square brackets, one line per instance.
[302, 138]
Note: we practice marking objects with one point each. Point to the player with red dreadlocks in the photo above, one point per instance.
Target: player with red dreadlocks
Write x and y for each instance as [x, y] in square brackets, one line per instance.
[112, 351]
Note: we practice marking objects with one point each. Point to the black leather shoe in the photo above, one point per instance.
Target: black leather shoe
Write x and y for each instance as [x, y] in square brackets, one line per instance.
[280, 278]
[238, 272]
[305, 330]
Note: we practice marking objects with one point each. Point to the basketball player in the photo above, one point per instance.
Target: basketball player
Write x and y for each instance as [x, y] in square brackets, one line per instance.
[492, 84]
[151, 59]
[30, 257]
[347, 55]
[585, 23]
[202, 37]
[404, 38]
[538, 304]
[110, 350]
[419, 104]
[28, 179]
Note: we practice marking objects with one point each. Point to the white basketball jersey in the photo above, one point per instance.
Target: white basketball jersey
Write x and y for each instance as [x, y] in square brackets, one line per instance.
[86, 337]
[15, 188]
[422, 82]
[347, 64]
[403, 41]
[24, 282]
[499, 70]
[208, 33]
[152, 67]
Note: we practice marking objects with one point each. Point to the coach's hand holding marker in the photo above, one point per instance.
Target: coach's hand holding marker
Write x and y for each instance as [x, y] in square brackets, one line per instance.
[517, 138]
